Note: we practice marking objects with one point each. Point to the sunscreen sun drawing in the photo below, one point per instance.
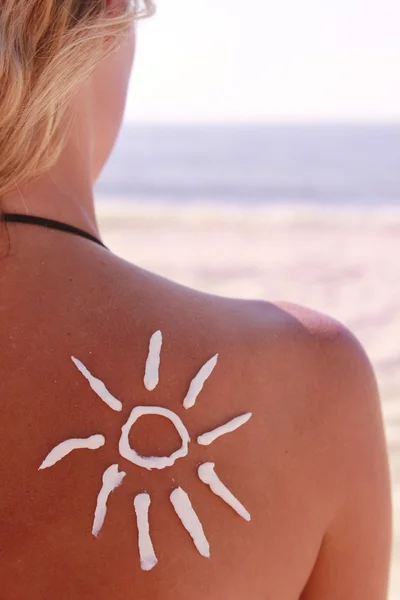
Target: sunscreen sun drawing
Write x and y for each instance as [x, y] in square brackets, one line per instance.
[112, 477]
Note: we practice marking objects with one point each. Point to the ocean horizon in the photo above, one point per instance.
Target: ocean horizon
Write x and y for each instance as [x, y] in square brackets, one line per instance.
[254, 166]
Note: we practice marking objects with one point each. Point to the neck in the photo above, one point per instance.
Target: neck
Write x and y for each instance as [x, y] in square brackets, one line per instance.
[65, 192]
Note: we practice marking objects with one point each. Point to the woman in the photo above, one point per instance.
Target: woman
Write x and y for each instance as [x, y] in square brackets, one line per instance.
[101, 498]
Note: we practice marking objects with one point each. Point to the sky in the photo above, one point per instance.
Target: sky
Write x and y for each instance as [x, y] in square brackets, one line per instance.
[263, 61]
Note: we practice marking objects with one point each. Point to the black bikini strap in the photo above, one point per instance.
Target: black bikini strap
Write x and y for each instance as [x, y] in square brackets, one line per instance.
[51, 224]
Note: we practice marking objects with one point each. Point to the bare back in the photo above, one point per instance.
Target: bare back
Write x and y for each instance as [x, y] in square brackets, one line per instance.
[309, 465]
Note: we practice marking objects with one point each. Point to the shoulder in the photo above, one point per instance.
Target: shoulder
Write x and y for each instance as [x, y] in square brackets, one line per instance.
[337, 360]
[320, 390]
[346, 470]
[330, 348]
[311, 355]
[323, 374]
[335, 369]
[343, 401]
[311, 362]
[126, 296]
[296, 334]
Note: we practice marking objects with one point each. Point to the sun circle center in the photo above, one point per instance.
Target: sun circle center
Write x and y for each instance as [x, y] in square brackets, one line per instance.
[153, 462]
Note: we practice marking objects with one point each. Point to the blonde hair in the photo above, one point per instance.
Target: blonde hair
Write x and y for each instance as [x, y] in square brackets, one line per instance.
[48, 49]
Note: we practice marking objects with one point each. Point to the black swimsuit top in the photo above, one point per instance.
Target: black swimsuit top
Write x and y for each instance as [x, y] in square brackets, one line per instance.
[50, 224]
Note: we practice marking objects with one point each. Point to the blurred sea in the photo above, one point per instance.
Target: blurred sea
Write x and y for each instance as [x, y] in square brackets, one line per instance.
[255, 165]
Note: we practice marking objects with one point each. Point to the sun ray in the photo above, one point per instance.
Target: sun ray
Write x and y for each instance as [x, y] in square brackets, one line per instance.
[197, 382]
[64, 448]
[208, 438]
[151, 375]
[148, 558]
[98, 386]
[189, 519]
[111, 480]
[208, 476]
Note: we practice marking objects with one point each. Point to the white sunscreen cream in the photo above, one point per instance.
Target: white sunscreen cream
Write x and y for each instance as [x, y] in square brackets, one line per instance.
[92, 443]
[98, 386]
[111, 480]
[185, 511]
[151, 375]
[208, 476]
[208, 438]
[152, 462]
[197, 382]
[148, 559]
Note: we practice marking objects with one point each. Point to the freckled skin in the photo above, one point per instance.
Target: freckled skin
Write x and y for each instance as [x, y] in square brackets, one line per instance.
[310, 465]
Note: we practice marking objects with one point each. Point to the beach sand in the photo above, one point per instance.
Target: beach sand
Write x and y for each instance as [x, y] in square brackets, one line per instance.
[342, 262]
